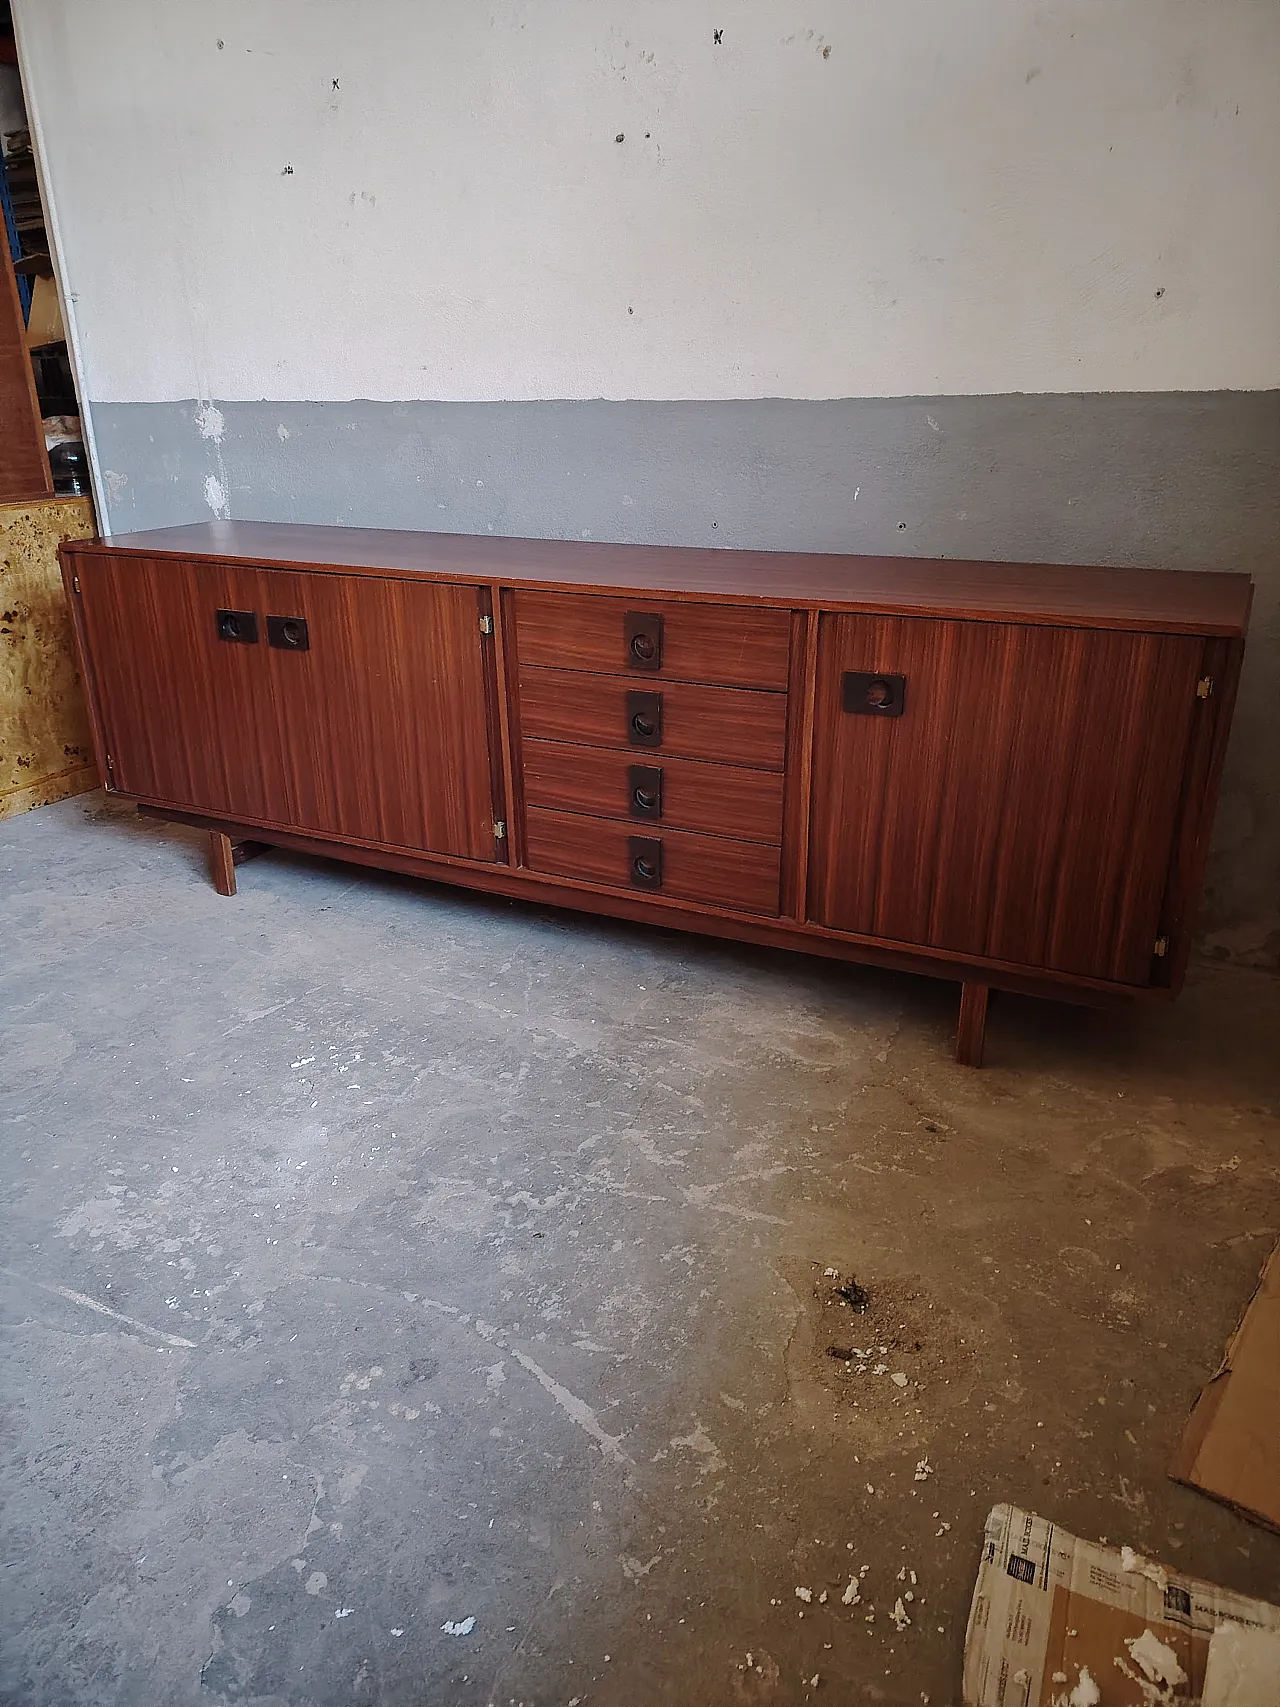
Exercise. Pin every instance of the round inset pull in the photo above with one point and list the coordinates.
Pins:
(229, 625)
(879, 693)
(643, 726)
(645, 869)
(645, 800)
(291, 631)
(643, 647)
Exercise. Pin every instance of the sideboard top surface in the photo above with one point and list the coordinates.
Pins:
(1178, 601)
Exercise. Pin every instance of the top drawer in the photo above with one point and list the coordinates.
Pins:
(724, 645)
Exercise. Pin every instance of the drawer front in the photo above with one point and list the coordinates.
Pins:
(719, 644)
(734, 726)
(742, 877)
(651, 789)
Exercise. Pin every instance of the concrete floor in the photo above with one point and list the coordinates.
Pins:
(379, 1258)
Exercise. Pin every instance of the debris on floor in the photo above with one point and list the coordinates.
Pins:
(855, 1296)
(1070, 1623)
(881, 1352)
(1231, 1448)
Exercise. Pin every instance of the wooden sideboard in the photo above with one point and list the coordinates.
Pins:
(1002, 774)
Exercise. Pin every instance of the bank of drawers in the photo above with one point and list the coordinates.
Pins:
(653, 744)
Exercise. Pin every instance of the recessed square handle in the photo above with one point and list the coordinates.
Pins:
(643, 633)
(644, 854)
(238, 625)
(871, 694)
(288, 633)
(644, 719)
(644, 791)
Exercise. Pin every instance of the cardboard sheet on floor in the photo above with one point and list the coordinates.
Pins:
(1231, 1448)
(1061, 1622)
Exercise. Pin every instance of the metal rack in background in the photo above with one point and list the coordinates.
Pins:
(14, 235)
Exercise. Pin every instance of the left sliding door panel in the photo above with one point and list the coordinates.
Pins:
(343, 706)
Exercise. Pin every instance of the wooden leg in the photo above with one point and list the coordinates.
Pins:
(972, 1030)
(222, 863)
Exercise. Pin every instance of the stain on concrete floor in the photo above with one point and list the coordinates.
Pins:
(378, 1258)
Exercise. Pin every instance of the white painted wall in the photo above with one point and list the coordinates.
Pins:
(962, 196)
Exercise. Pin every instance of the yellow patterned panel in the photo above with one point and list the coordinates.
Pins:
(45, 750)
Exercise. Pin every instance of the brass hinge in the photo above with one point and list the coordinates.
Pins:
(111, 769)
(486, 625)
(75, 583)
(1204, 687)
(1162, 946)
(499, 830)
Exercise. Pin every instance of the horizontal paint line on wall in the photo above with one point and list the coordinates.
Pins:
(1177, 479)
(206, 406)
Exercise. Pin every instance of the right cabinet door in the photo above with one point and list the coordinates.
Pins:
(1021, 807)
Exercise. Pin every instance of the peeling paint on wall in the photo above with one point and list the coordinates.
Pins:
(211, 422)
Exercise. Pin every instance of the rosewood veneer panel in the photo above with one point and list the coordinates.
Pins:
(379, 731)
(182, 712)
(735, 726)
(719, 800)
(724, 644)
(383, 722)
(1173, 601)
(1022, 807)
(742, 876)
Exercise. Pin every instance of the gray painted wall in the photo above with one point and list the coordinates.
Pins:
(1176, 480)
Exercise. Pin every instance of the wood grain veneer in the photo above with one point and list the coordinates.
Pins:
(717, 800)
(735, 726)
(694, 868)
(1022, 807)
(724, 644)
(380, 730)
(1175, 601)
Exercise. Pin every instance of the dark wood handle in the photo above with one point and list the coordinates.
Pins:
(645, 854)
(645, 785)
(288, 633)
(644, 720)
(240, 625)
(643, 633)
(870, 694)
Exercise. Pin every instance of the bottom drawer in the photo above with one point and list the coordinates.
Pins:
(742, 877)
